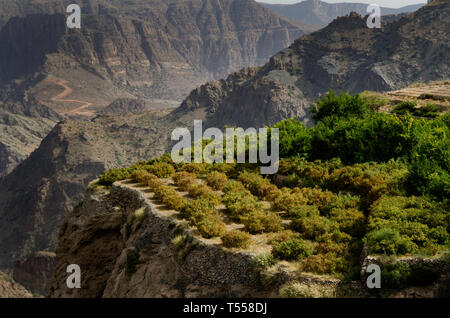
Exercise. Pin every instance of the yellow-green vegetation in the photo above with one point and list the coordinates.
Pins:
(236, 239)
(170, 197)
(184, 179)
(204, 192)
(358, 177)
(216, 180)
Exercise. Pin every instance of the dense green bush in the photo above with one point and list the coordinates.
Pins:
(197, 209)
(162, 169)
(286, 199)
(416, 219)
(211, 225)
(313, 227)
(340, 106)
(168, 196)
(204, 192)
(261, 222)
(389, 241)
(113, 175)
(184, 179)
(236, 239)
(401, 275)
(295, 138)
(292, 250)
(217, 180)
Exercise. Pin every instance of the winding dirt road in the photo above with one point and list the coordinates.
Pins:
(60, 98)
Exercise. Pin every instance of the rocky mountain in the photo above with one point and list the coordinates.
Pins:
(318, 12)
(156, 51)
(346, 55)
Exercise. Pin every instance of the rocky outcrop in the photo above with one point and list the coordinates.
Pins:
(34, 272)
(23, 124)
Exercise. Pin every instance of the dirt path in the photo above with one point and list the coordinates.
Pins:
(60, 98)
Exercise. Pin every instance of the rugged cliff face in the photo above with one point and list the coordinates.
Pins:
(35, 271)
(23, 124)
(158, 49)
(346, 55)
(39, 193)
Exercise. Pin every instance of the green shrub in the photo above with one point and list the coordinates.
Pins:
(264, 260)
(210, 225)
(236, 239)
(313, 227)
(217, 180)
(388, 241)
(395, 276)
(303, 211)
(261, 222)
(204, 192)
(292, 250)
(351, 221)
(342, 106)
(196, 209)
(404, 108)
(168, 196)
(196, 168)
(184, 179)
(113, 175)
(162, 169)
(282, 236)
(287, 199)
(328, 263)
(234, 186)
(242, 207)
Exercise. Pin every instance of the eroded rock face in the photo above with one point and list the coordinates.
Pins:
(157, 49)
(35, 271)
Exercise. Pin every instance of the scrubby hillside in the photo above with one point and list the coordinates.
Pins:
(360, 187)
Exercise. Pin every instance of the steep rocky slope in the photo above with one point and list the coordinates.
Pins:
(10, 289)
(23, 124)
(37, 195)
(321, 13)
(157, 49)
(346, 55)
(35, 272)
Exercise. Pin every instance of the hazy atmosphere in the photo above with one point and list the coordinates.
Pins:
(384, 3)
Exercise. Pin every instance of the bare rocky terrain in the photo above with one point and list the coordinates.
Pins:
(318, 12)
(156, 51)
